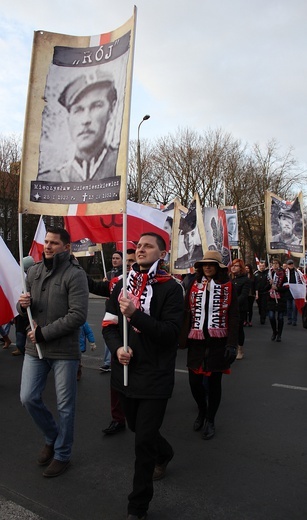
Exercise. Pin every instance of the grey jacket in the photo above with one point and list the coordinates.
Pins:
(59, 306)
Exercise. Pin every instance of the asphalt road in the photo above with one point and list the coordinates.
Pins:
(254, 468)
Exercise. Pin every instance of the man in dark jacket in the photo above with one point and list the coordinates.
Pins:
(261, 289)
(153, 308)
(57, 293)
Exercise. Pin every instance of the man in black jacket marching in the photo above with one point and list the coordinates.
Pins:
(153, 308)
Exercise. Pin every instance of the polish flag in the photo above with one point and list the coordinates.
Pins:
(10, 284)
(109, 228)
(298, 291)
(37, 246)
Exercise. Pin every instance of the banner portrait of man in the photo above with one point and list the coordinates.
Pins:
(232, 226)
(284, 225)
(88, 111)
(77, 124)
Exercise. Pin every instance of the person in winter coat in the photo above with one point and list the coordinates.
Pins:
(277, 298)
(57, 293)
(86, 334)
(153, 308)
(210, 332)
(242, 284)
(251, 296)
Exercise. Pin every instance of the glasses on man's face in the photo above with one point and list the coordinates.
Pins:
(209, 264)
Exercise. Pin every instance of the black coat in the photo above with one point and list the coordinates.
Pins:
(152, 367)
(242, 284)
(209, 352)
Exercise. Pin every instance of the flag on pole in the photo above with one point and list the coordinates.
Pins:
(109, 228)
(37, 246)
(10, 284)
(298, 291)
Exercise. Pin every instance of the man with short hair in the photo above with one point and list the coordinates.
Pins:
(57, 294)
(90, 101)
(153, 308)
(261, 289)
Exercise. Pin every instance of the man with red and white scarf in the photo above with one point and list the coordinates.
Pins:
(154, 309)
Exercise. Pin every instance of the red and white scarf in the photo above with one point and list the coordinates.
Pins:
(140, 290)
(139, 285)
(219, 301)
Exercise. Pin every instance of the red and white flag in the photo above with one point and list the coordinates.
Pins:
(298, 291)
(37, 246)
(109, 228)
(10, 284)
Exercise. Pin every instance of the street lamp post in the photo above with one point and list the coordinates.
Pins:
(139, 160)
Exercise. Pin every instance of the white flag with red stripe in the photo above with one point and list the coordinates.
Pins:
(10, 284)
(109, 228)
(298, 291)
(37, 246)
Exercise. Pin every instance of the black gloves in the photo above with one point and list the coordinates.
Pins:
(230, 353)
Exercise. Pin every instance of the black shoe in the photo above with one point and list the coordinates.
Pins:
(289, 323)
(199, 422)
(105, 368)
(262, 322)
(294, 324)
(273, 337)
(114, 427)
(278, 339)
(208, 431)
(160, 469)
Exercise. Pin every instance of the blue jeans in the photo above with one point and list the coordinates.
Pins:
(291, 311)
(33, 382)
(107, 356)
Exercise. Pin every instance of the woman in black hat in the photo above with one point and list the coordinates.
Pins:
(210, 332)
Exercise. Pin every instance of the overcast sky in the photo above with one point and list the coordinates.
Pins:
(239, 65)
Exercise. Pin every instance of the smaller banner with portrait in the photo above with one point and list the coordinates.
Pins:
(284, 225)
(232, 226)
(188, 238)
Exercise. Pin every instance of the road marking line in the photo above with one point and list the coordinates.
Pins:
(290, 387)
(181, 371)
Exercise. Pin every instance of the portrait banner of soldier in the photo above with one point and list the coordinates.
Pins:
(232, 226)
(284, 225)
(76, 135)
(216, 232)
(187, 237)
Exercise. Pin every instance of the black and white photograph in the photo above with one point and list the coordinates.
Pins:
(82, 118)
(286, 226)
(189, 241)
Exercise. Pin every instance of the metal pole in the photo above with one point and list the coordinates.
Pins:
(139, 160)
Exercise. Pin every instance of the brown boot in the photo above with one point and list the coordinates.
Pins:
(240, 354)
(7, 341)
(46, 455)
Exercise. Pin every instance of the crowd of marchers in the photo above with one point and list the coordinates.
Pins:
(205, 312)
